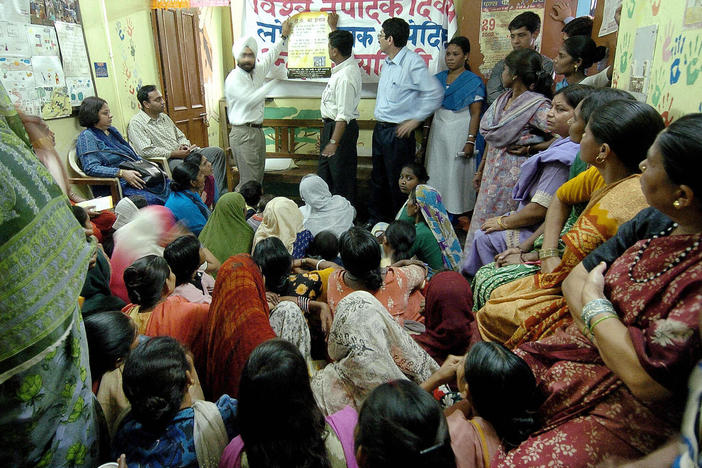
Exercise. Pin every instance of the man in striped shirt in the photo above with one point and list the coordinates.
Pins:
(153, 134)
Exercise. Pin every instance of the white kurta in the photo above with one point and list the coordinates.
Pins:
(451, 176)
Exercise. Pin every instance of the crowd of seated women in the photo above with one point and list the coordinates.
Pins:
(250, 332)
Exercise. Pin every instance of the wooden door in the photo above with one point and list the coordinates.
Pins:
(177, 40)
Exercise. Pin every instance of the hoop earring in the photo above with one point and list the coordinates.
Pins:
(575, 68)
(677, 203)
(600, 159)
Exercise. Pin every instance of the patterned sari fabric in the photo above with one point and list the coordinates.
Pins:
(48, 415)
(436, 217)
(490, 276)
(533, 307)
(524, 123)
(368, 348)
(237, 323)
(589, 412)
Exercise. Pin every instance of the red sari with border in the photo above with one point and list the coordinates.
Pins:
(589, 413)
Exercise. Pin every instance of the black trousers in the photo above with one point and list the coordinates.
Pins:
(339, 171)
(390, 153)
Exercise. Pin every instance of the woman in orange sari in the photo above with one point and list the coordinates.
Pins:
(615, 141)
(240, 319)
(155, 312)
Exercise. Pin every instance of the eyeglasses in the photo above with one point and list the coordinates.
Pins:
(381, 35)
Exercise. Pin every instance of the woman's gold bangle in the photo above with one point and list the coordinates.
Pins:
(502, 223)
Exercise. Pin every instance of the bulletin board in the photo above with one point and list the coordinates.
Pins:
(672, 82)
(44, 64)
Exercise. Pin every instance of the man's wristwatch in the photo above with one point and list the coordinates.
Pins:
(332, 141)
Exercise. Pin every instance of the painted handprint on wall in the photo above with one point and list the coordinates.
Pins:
(625, 47)
(693, 65)
(676, 50)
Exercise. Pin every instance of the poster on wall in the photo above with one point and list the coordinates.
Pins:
(308, 54)
(693, 14)
(609, 24)
(42, 40)
(73, 53)
(47, 12)
(13, 39)
(431, 24)
(15, 11)
(495, 17)
(17, 76)
(642, 61)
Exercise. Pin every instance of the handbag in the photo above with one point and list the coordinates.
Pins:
(153, 177)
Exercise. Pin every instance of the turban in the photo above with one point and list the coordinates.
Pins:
(243, 43)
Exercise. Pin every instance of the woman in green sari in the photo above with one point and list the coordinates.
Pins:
(48, 416)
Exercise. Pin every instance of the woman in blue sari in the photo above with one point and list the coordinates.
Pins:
(454, 130)
(101, 149)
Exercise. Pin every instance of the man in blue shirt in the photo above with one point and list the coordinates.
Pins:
(407, 95)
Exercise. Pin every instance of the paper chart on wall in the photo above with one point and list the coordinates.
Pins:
(16, 11)
(48, 71)
(55, 102)
(79, 89)
(42, 40)
(13, 39)
(17, 77)
(609, 25)
(73, 53)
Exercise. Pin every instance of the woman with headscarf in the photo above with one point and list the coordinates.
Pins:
(240, 319)
(430, 215)
(322, 211)
(368, 348)
(48, 409)
(147, 234)
(227, 233)
(127, 209)
(447, 316)
(283, 219)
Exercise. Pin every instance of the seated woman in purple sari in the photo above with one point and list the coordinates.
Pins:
(539, 178)
(101, 149)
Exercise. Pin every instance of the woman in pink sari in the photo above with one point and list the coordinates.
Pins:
(614, 379)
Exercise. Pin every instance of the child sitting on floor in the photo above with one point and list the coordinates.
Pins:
(165, 427)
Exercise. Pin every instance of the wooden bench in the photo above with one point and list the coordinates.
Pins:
(285, 147)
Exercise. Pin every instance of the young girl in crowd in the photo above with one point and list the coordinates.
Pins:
(398, 240)
(402, 425)
(184, 256)
(325, 245)
(412, 174)
(156, 312)
(207, 194)
(282, 429)
(499, 409)
(111, 336)
(392, 286)
(165, 428)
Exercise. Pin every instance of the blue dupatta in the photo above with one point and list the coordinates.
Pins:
(462, 92)
(117, 143)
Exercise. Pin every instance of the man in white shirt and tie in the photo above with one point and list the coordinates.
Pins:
(245, 92)
(339, 108)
